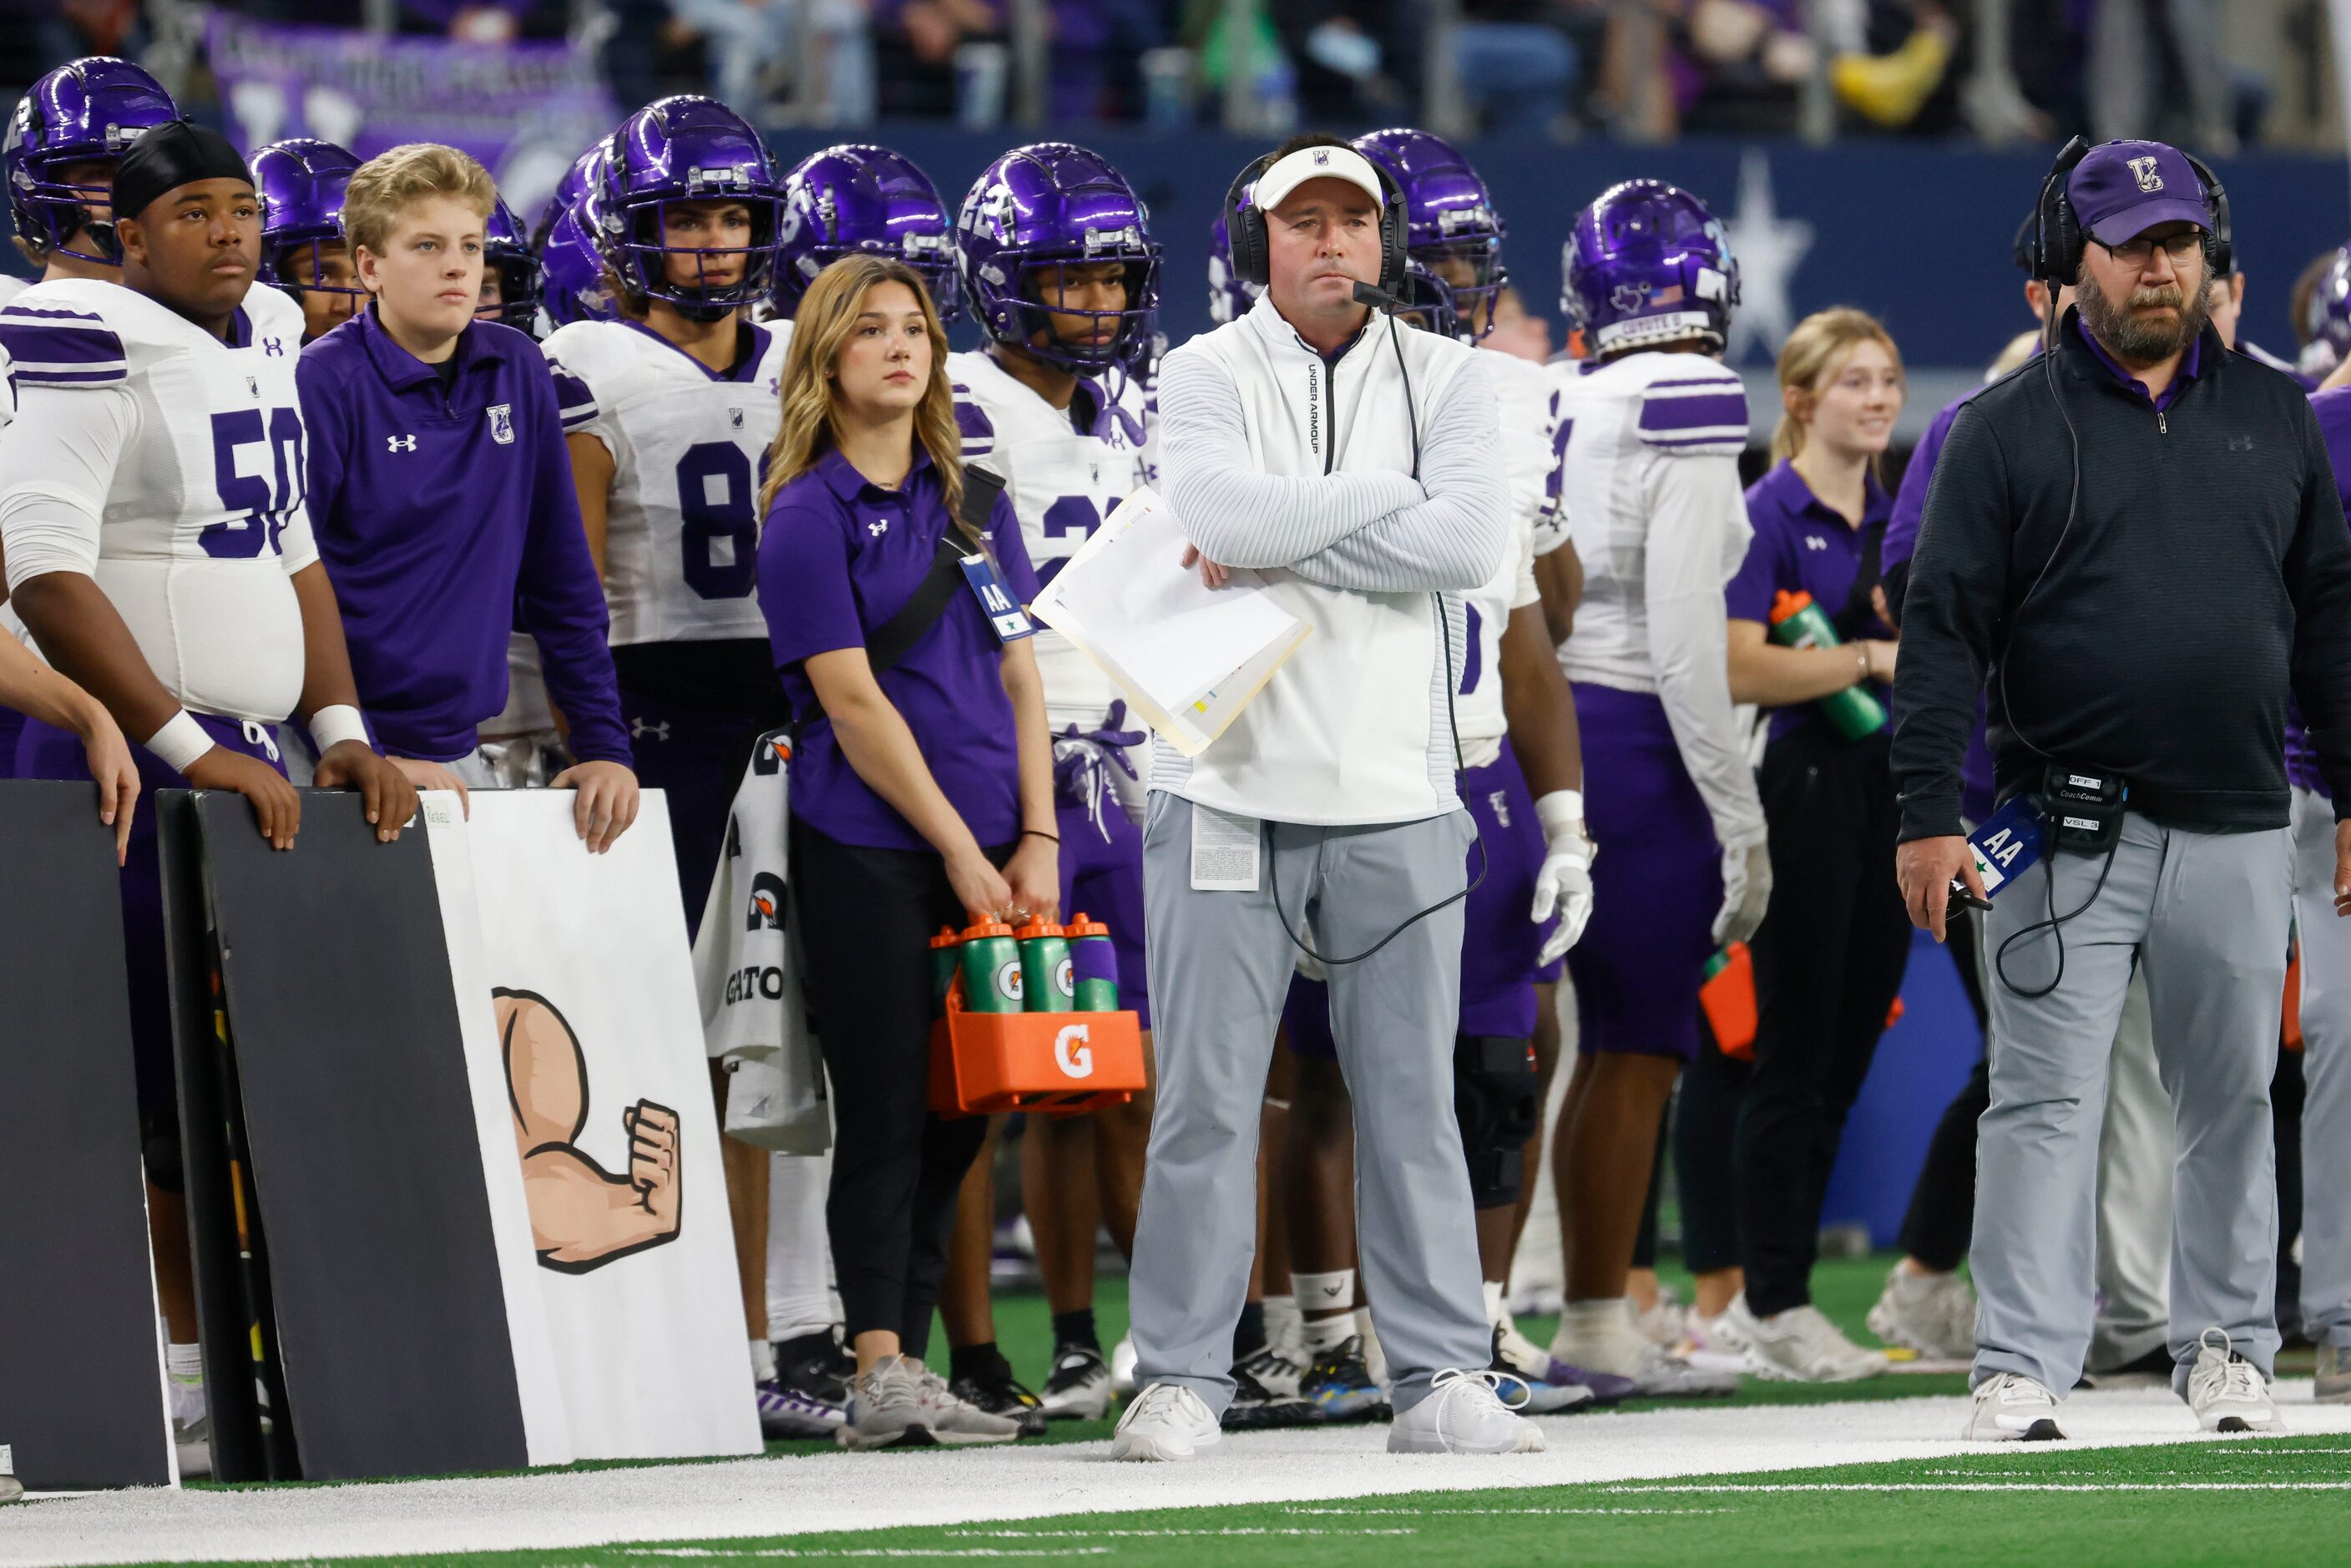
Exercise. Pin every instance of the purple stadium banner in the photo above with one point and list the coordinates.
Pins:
(525, 109)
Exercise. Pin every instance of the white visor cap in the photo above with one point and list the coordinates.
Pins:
(1275, 185)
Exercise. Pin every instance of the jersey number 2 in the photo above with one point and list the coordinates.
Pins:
(732, 517)
(252, 494)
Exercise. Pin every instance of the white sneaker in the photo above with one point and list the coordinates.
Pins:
(1666, 1324)
(1463, 1414)
(1165, 1422)
(1934, 1314)
(954, 1422)
(1601, 1336)
(2011, 1408)
(2226, 1391)
(885, 1407)
(1121, 1368)
(1801, 1345)
(11, 1488)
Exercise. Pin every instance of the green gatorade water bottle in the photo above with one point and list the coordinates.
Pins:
(1797, 622)
(1045, 982)
(991, 968)
(1094, 965)
(943, 965)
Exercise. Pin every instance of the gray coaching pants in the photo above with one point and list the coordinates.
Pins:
(2205, 913)
(2326, 1074)
(1220, 965)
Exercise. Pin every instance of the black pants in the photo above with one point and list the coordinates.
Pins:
(1706, 1124)
(866, 918)
(1828, 963)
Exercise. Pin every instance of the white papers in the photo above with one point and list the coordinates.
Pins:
(1187, 657)
(1224, 851)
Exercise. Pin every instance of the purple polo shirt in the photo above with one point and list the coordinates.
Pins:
(1802, 546)
(447, 519)
(2332, 408)
(838, 556)
(2188, 366)
(1978, 791)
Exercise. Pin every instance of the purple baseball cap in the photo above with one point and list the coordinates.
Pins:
(2122, 188)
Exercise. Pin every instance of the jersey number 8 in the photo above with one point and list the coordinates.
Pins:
(717, 498)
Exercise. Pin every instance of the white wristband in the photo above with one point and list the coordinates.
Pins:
(180, 742)
(330, 726)
(1560, 810)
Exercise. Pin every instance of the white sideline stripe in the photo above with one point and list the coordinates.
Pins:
(754, 1499)
(1669, 1489)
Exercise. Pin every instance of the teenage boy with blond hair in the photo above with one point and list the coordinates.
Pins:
(442, 496)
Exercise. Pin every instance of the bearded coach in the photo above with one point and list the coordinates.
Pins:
(2134, 546)
(1349, 461)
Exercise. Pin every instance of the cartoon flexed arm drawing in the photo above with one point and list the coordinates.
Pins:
(581, 1215)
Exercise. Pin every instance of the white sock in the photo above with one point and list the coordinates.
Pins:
(1319, 1295)
(1281, 1323)
(185, 1362)
(801, 1298)
(1497, 1314)
(763, 1360)
(1598, 1319)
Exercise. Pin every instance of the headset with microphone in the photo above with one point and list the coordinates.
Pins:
(1245, 229)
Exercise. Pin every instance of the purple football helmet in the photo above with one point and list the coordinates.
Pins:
(520, 285)
(1646, 263)
(1431, 303)
(2328, 321)
(586, 172)
(301, 183)
(1036, 210)
(677, 150)
(1228, 298)
(854, 199)
(89, 111)
(1451, 226)
(575, 283)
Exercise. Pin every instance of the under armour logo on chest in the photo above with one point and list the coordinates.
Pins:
(878, 527)
(274, 347)
(399, 443)
(1814, 541)
(639, 730)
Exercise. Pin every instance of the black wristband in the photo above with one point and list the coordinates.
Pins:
(1040, 833)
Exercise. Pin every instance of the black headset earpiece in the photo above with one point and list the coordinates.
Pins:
(1245, 229)
(1245, 225)
(2056, 233)
(2220, 249)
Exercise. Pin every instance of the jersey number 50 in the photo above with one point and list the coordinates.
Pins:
(717, 498)
(252, 494)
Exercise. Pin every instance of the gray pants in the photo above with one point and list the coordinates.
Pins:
(2205, 913)
(2136, 1154)
(1220, 965)
(2326, 1075)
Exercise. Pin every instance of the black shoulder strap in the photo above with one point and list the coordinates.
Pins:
(1851, 621)
(896, 638)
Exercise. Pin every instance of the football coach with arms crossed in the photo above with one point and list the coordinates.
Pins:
(2136, 543)
(1351, 462)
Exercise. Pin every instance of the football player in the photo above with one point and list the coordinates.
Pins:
(303, 251)
(443, 501)
(1648, 433)
(158, 550)
(512, 279)
(1058, 267)
(58, 160)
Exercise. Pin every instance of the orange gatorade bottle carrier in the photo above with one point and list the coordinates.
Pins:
(1055, 1064)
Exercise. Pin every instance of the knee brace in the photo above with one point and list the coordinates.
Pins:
(1494, 1078)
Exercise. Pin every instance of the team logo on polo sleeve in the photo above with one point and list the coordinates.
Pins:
(502, 423)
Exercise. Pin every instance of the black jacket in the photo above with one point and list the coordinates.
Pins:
(2208, 568)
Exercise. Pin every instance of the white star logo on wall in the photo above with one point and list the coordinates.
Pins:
(1770, 249)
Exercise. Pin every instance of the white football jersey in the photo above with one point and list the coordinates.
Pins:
(1522, 393)
(168, 465)
(9, 288)
(1062, 484)
(1637, 437)
(688, 445)
(1478, 715)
